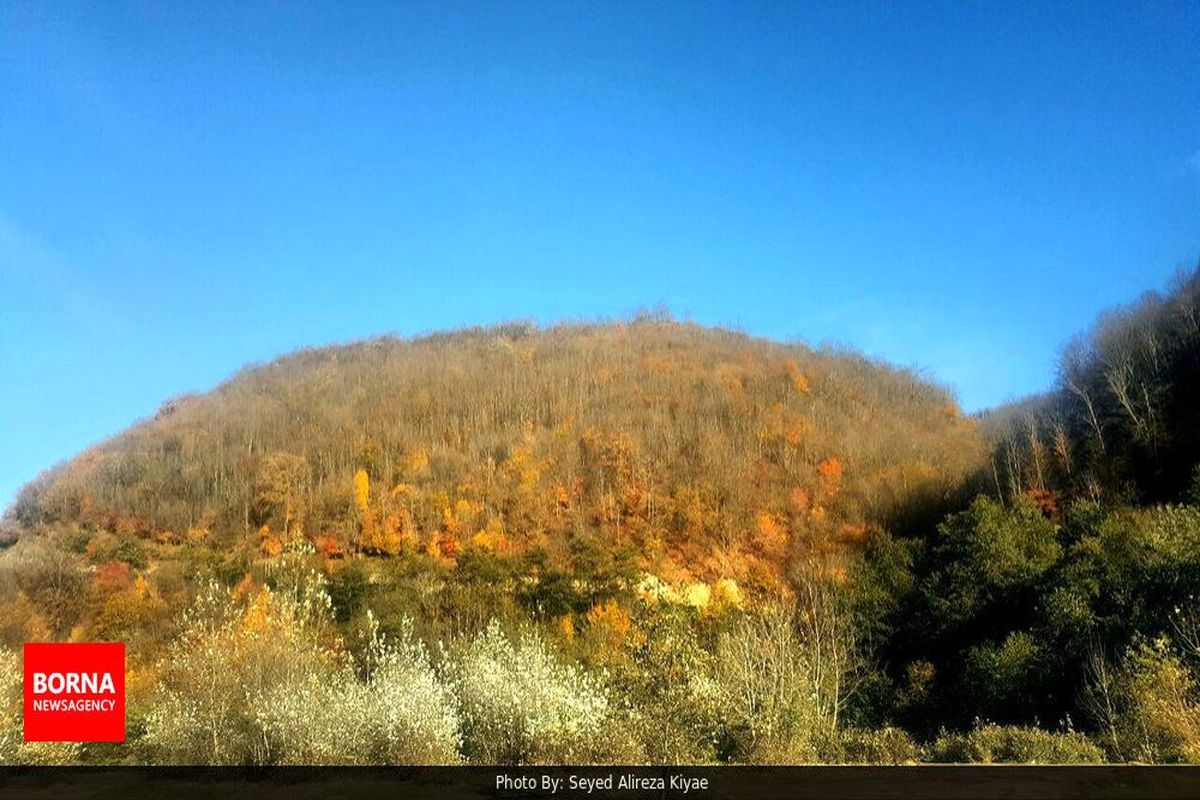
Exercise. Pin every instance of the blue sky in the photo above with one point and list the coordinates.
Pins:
(186, 188)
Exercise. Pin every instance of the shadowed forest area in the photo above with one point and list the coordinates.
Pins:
(636, 542)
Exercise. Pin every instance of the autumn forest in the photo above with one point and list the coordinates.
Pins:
(643, 541)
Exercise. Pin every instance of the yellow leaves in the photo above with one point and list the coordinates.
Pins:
(521, 465)
(37, 627)
(716, 598)
(615, 455)
(609, 614)
(127, 610)
(416, 463)
(727, 594)
(391, 541)
(259, 615)
(789, 427)
(141, 681)
(402, 522)
(362, 491)
(695, 511)
(388, 538)
(198, 534)
(465, 509)
(608, 625)
(404, 492)
(460, 517)
(23, 621)
(385, 539)
(445, 543)
(434, 548)
(566, 628)
(565, 429)
(697, 595)
(491, 537)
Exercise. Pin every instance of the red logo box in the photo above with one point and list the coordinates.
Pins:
(75, 692)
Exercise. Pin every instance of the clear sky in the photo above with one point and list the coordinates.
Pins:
(189, 187)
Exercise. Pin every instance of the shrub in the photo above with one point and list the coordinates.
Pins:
(263, 683)
(401, 713)
(991, 744)
(1192, 496)
(199, 714)
(884, 746)
(766, 689)
(54, 583)
(12, 749)
(666, 681)
(1157, 717)
(519, 705)
(10, 718)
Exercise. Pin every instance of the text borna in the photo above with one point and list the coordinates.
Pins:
(604, 783)
(73, 683)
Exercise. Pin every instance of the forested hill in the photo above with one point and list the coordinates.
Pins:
(1123, 420)
(704, 453)
(636, 542)
(1066, 593)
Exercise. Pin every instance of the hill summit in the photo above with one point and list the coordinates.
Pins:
(696, 452)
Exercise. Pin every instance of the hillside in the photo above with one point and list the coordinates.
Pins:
(706, 453)
(1067, 590)
(1122, 421)
(634, 542)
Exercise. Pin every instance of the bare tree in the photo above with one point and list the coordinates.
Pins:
(831, 641)
(1099, 696)
(1036, 450)
(1073, 371)
(1062, 444)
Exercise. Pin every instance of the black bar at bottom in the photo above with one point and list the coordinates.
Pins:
(602, 783)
